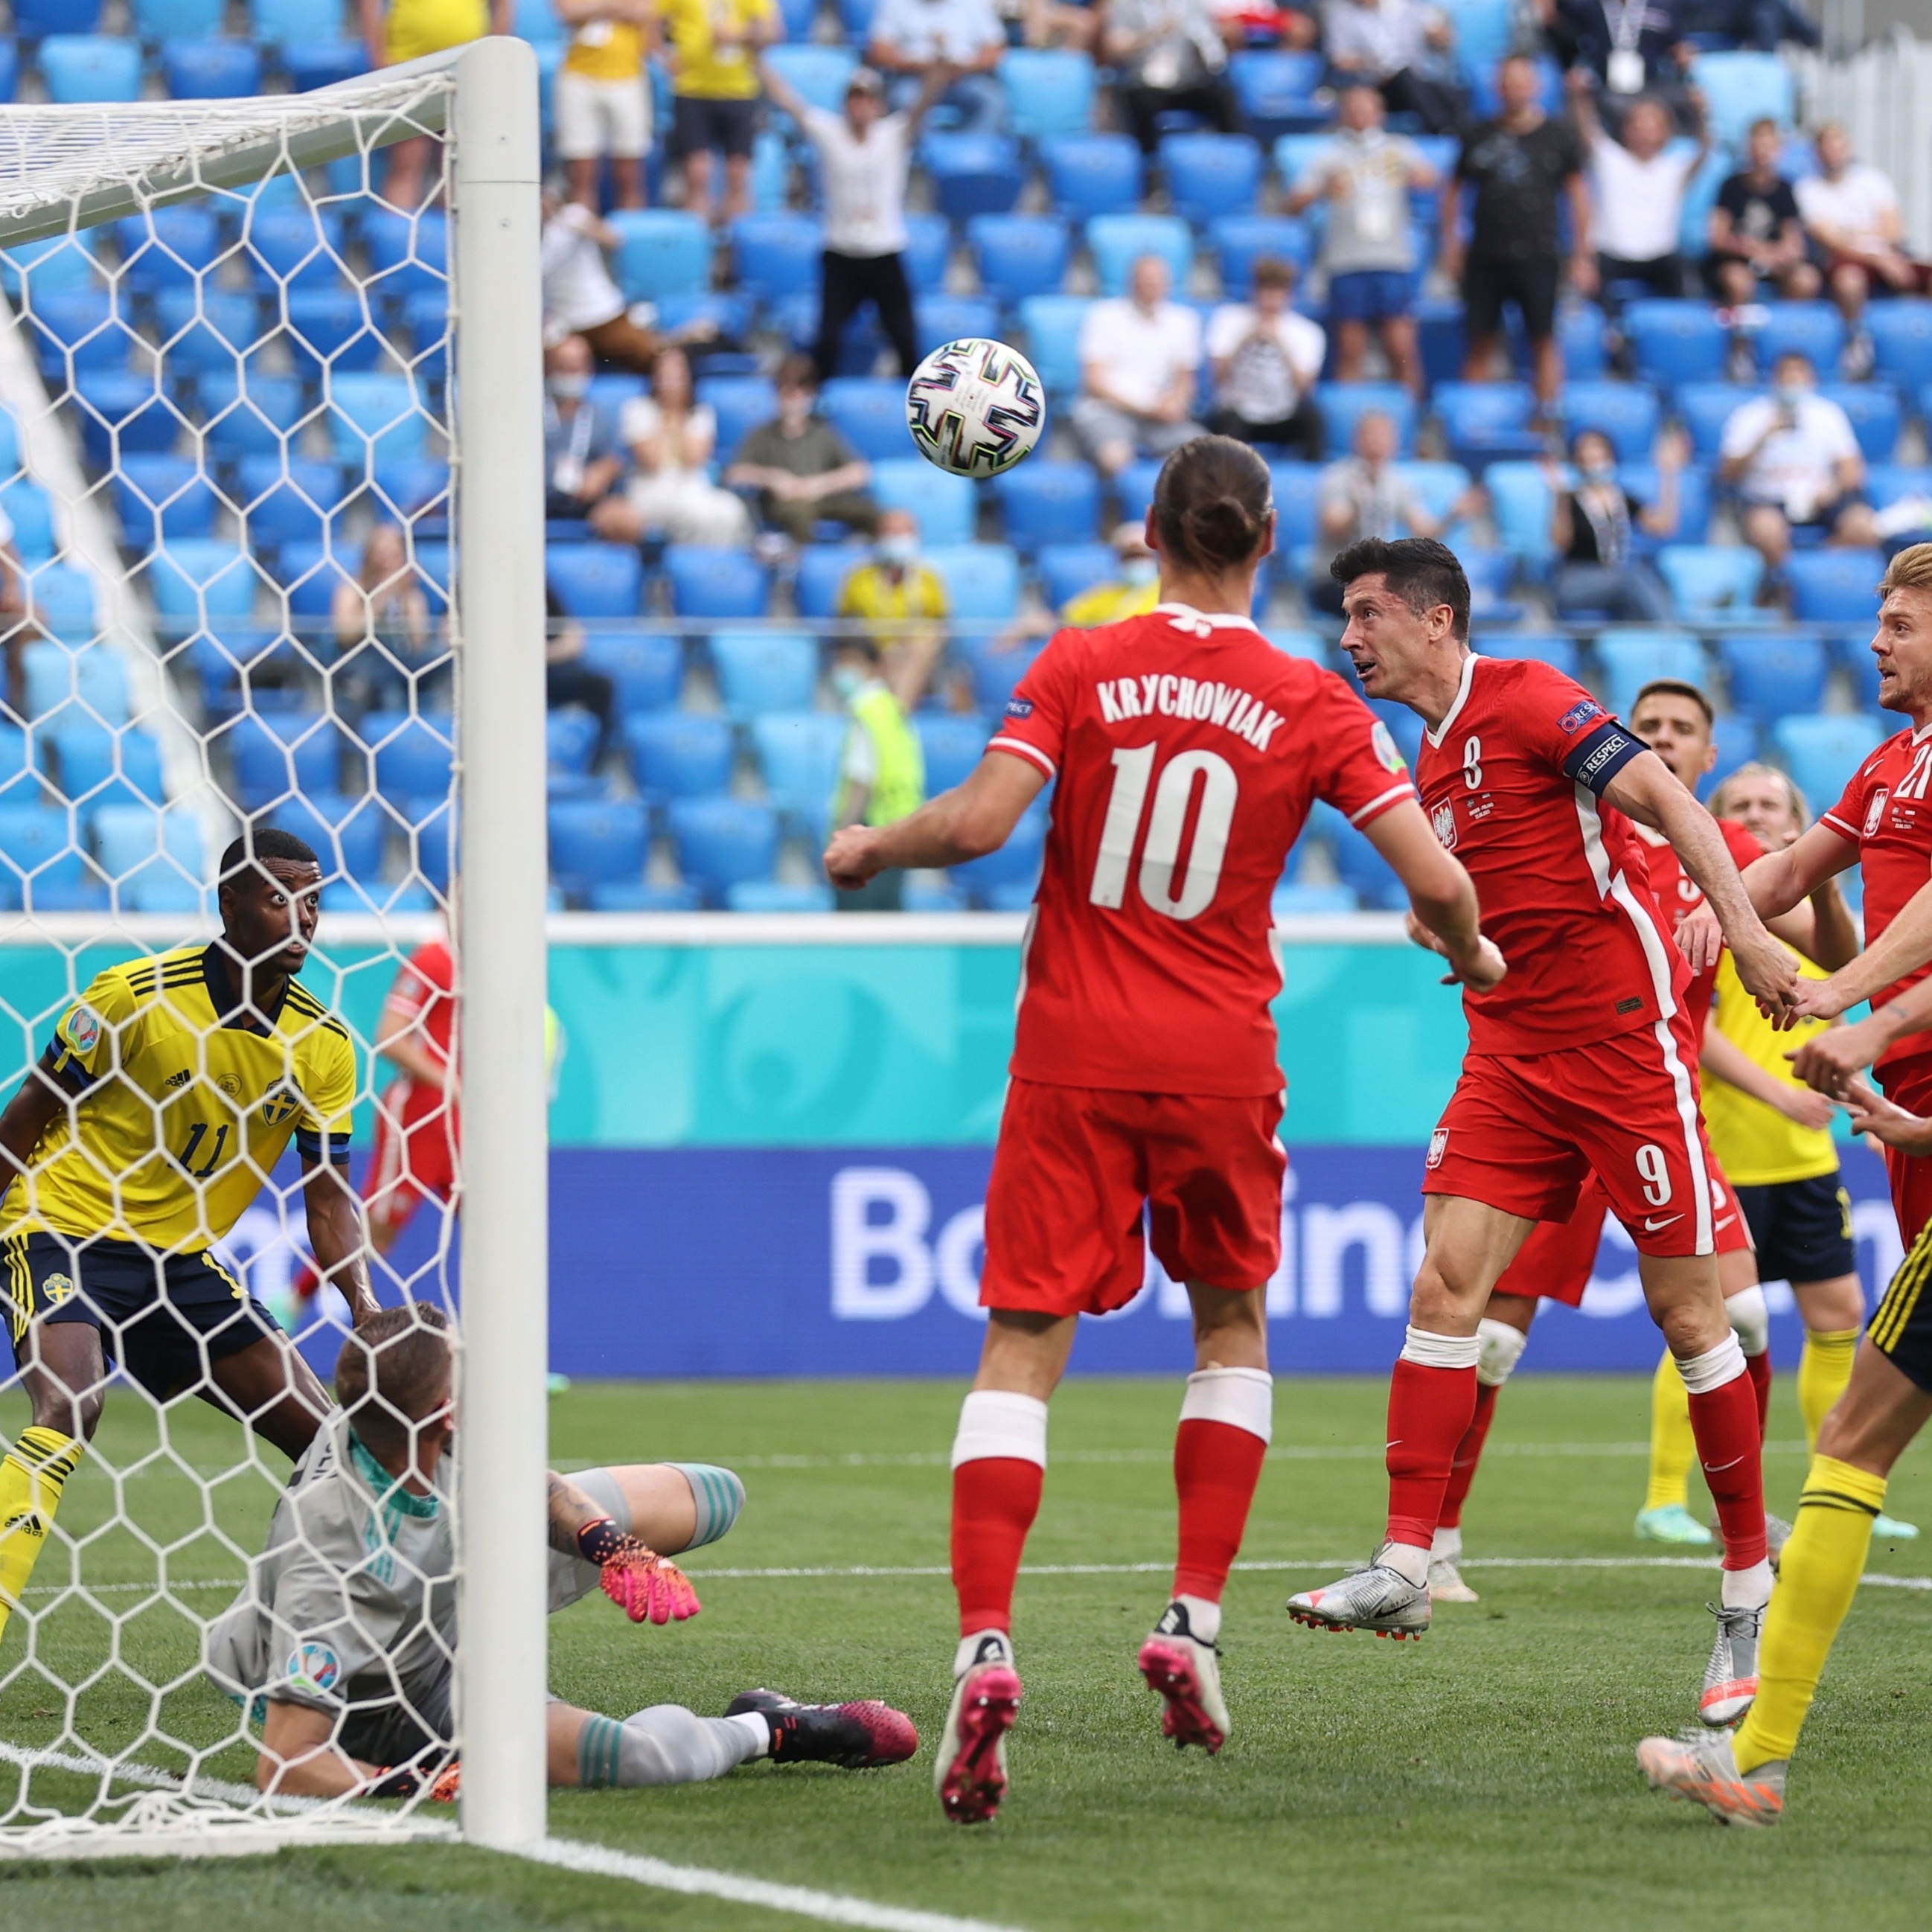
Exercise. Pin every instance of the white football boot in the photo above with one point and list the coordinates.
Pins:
(1374, 1598)
(1703, 1767)
(970, 1773)
(1186, 1673)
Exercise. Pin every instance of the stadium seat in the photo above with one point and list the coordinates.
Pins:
(1626, 413)
(294, 248)
(1019, 255)
(1052, 324)
(946, 506)
(663, 251)
(722, 842)
(83, 329)
(418, 487)
(777, 255)
(206, 328)
(1889, 483)
(822, 569)
(41, 864)
(818, 73)
(679, 754)
(936, 320)
(638, 897)
(1703, 408)
(869, 412)
(596, 841)
(647, 667)
(409, 254)
(129, 837)
(349, 833)
(1067, 570)
(1016, 863)
(1630, 659)
(995, 672)
(1714, 582)
(1343, 404)
(799, 752)
(982, 581)
(754, 896)
(1093, 174)
(80, 68)
(1876, 412)
(167, 248)
(1740, 87)
(200, 582)
(61, 261)
(1833, 586)
(162, 499)
(1644, 482)
(18, 775)
(1239, 241)
(1310, 645)
(1487, 422)
(570, 742)
(166, 23)
(1119, 241)
(596, 580)
(278, 752)
(1211, 174)
(761, 671)
(1676, 342)
(375, 418)
(31, 511)
(1774, 675)
(33, 19)
(411, 759)
(1821, 752)
(312, 64)
(1901, 338)
(246, 414)
(75, 686)
(1492, 573)
(708, 581)
(1550, 648)
(740, 403)
(1582, 333)
(1043, 501)
(1440, 485)
(952, 746)
(1736, 739)
(1049, 91)
(973, 175)
(928, 252)
(1275, 88)
(1298, 489)
(212, 70)
(276, 22)
(1814, 329)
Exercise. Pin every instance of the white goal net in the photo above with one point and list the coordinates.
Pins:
(241, 501)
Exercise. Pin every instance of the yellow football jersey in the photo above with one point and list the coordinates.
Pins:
(1756, 1146)
(1110, 604)
(183, 1105)
(704, 70)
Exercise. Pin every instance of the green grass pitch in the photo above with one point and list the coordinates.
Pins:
(1481, 1779)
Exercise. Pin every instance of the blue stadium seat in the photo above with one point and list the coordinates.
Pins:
(723, 842)
(1292, 899)
(1484, 31)
(1363, 870)
(1019, 255)
(31, 511)
(1016, 864)
(1211, 175)
(247, 414)
(1645, 482)
(294, 248)
(412, 758)
(349, 833)
(168, 248)
(927, 250)
(1876, 412)
(125, 411)
(1049, 91)
(1814, 329)
(1821, 752)
(404, 490)
(1740, 87)
(1440, 485)
(206, 328)
(973, 175)
(1630, 659)
(1582, 334)
(1066, 570)
(61, 261)
(995, 672)
(1737, 743)
(709, 581)
(201, 582)
(1492, 573)
(1774, 675)
(946, 506)
(1676, 342)
(982, 581)
(1546, 647)
(40, 863)
(129, 839)
(664, 252)
(640, 898)
(162, 499)
(869, 412)
(1298, 489)
(799, 752)
(1093, 174)
(409, 254)
(87, 67)
(952, 745)
(1487, 422)
(1133, 490)
(90, 683)
(212, 70)
(596, 580)
(774, 896)
(1703, 408)
(310, 573)
(1714, 581)
(1343, 404)
(594, 841)
(1833, 586)
(1626, 413)
(761, 671)
(740, 403)
(287, 501)
(278, 752)
(61, 596)
(1295, 154)
(1043, 501)
(312, 64)
(85, 328)
(32, 18)
(647, 667)
(17, 772)
(776, 255)
(818, 73)
(822, 569)
(1239, 241)
(165, 23)
(942, 318)
(679, 754)
(1275, 88)
(1901, 338)
(1119, 241)
(375, 418)
(1052, 324)
(1889, 483)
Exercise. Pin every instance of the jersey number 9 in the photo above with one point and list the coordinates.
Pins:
(1161, 855)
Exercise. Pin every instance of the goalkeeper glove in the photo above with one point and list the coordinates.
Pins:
(646, 1587)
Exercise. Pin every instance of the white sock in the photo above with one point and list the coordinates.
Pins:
(969, 1649)
(1746, 1589)
(1204, 1619)
(1408, 1560)
(1448, 1543)
(997, 1423)
(755, 1722)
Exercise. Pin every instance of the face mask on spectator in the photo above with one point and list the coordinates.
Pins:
(898, 550)
(846, 680)
(569, 389)
(1790, 394)
(1139, 570)
(1599, 471)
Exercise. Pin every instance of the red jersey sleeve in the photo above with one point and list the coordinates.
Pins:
(1560, 719)
(424, 978)
(1360, 769)
(1847, 817)
(1034, 726)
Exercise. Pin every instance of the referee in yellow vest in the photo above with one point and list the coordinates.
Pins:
(881, 770)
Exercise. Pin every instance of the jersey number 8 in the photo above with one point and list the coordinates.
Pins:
(1160, 856)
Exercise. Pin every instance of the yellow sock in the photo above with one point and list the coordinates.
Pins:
(1817, 1577)
(32, 1474)
(1823, 1370)
(1673, 1448)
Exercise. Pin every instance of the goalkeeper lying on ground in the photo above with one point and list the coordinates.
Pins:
(343, 1640)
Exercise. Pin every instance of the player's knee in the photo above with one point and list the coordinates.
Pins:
(1750, 1317)
(1499, 1348)
(719, 1496)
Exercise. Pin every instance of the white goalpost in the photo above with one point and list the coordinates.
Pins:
(207, 431)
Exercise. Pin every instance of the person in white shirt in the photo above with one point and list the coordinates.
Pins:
(1851, 210)
(1140, 357)
(1637, 188)
(1169, 57)
(1266, 361)
(580, 298)
(1792, 457)
(1400, 46)
(672, 439)
(911, 37)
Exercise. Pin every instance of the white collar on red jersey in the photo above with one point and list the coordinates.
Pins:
(1441, 730)
(1201, 622)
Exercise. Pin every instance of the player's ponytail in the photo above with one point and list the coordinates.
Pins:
(1212, 504)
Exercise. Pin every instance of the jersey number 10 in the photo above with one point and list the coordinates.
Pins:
(1160, 856)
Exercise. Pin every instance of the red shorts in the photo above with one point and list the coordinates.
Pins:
(1521, 1133)
(415, 1155)
(1075, 1166)
(1908, 1083)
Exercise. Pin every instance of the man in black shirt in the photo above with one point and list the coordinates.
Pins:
(1633, 47)
(1756, 232)
(1519, 166)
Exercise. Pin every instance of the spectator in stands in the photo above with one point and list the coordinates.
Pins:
(713, 50)
(1637, 187)
(1593, 522)
(582, 459)
(1401, 47)
(1133, 592)
(864, 157)
(1795, 463)
(1755, 234)
(1761, 25)
(911, 37)
(1633, 47)
(894, 587)
(671, 437)
(580, 298)
(1364, 175)
(1054, 23)
(1266, 361)
(602, 102)
(568, 680)
(804, 471)
(1140, 359)
(1172, 57)
(1366, 495)
(1242, 21)
(386, 643)
(408, 30)
(1851, 211)
(881, 770)
(1518, 167)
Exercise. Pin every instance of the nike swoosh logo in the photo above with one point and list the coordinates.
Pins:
(1652, 1222)
(1718, 1469)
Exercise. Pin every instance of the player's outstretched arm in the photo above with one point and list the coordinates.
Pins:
(1445, 915)
(646, 1587)
(337, 1235)
(1904, 945)
(967, 822)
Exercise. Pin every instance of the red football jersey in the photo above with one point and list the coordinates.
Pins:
(1885, 813)
(1679, 895)
(425, 990)
(1510, 784)
(1187, 750)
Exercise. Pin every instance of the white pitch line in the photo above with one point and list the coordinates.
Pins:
(830, 1908)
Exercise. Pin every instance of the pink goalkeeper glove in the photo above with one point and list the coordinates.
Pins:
(646, 1587)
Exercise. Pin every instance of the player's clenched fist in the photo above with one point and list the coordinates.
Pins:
(646, 1587)
(1479, 968)
(1769, 974)
(850, 859)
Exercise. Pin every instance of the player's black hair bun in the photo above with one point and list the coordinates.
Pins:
(1211, 504)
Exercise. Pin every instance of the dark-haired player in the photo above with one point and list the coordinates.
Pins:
(1582, 1059)
(167, 1093)
(1187, 751)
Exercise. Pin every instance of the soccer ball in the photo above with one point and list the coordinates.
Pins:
(975, 407)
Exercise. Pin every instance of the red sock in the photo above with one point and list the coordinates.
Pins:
(1469, 1453)
(994, 1501)
(1758, 1367)
(1216, 1468)
(1429, 1414)
(1725, 1422)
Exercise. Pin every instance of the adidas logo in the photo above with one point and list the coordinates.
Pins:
(992, 1649)
(26, 1523)
(1173, 1622)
